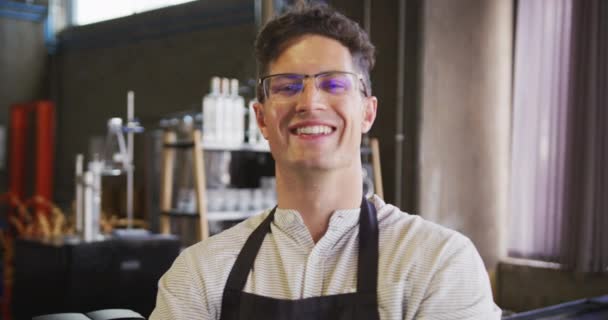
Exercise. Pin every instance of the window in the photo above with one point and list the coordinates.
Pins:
(91, 11)
(559, 177)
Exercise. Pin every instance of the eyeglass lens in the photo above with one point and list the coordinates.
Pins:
(290, 85)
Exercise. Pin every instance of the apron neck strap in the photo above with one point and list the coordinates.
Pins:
(367, 271)
(244, 261)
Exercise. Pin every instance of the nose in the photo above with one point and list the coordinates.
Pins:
(311, 98)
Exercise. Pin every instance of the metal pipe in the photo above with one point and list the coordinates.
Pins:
(87, 181)
(399, 136)
(367, 17)
(96, 167)
(79, 193)
(130, 120)
(264, 11)
(92, 200)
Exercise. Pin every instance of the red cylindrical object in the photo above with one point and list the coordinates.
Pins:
(44, 139)
(45, 116)
(18, 138)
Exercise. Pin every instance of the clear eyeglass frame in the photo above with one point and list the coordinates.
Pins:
(294, 84)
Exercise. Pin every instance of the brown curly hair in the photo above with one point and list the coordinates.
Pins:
(319, 19)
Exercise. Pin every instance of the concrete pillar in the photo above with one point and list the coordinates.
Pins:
(23, 63)
(465, 119)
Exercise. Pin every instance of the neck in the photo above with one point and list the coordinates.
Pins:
(317, 194)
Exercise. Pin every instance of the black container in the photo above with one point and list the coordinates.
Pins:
(81, 277)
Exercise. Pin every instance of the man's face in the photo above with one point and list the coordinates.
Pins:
(315, 129)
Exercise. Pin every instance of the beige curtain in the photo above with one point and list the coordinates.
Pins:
(585, 229)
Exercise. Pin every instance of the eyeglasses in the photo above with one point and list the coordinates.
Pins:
(288, 86)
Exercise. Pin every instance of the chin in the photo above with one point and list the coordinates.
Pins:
(318, 164)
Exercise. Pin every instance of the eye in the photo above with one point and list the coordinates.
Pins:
(286, 88)
(335, 84)
(286, 85)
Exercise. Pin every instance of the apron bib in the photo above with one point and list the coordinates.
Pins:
(363, 304)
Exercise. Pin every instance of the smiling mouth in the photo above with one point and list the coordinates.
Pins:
(318, 130)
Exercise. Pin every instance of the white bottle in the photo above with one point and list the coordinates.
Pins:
(222, 112)
(252, 125)
(210, 106)
(229, 125)
(238, 116)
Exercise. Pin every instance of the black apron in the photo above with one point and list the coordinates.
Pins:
(363, 304)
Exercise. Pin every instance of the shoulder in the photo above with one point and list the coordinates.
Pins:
(205, 266)
(220, 250)
(397, 225)
(193, 286)
(416, 246)
(438, 270)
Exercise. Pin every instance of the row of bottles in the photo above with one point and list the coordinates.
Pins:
(225, 115)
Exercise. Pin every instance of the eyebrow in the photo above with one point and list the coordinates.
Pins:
(306, 74)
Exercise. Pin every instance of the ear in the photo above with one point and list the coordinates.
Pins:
(259, 117)
(370, 106)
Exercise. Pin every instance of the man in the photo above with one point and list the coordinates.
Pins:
(324, 252)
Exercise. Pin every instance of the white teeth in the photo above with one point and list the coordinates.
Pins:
(313, 130)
